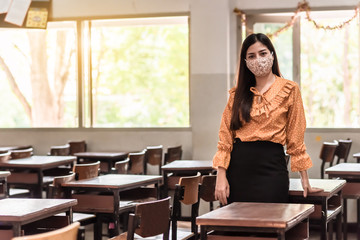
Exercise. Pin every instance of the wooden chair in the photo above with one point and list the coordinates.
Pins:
(137, 162)
(149, 220)
(172, 154)
(327, 154)
(56, 191)
(86, 170)
(343, 150)
(186, 192)
(23, 153)
(121, 167)
(77, 146)
(154, 157)
(63, 150)
(207, 189)
(69, 232)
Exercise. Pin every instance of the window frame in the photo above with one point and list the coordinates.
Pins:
(270, 16)
(81, 78)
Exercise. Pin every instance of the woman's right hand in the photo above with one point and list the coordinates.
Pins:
(222, 188)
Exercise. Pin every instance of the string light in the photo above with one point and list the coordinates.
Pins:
(303, 6)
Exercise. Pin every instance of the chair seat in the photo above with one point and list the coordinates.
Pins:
(82, 218)
(18, 192)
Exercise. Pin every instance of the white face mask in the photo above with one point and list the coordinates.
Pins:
(260, 66)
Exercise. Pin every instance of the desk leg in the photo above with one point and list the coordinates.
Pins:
(17, 229)
(109, 166)
(38, 190)
(358, 218)
(165, 186)
(338, 226)
(345, 218)
(323, 227)
(116, 212)
(203, 235)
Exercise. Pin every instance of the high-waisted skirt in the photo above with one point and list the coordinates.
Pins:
(258, 172)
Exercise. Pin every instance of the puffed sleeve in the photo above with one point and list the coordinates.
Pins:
(295, 130)
(225, 144)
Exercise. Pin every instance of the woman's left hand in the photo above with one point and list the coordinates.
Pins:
(308, 189)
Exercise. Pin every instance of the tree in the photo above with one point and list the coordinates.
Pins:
(45, 107)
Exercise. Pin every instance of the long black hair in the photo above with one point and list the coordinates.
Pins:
(246, 79)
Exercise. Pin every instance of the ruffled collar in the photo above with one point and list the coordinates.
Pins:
(272, 98)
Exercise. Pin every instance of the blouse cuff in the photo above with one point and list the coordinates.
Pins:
(221, 159)
(300, 160)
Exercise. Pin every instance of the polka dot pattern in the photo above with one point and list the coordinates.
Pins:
(277, 116)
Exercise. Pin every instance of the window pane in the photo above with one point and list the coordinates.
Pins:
(330, 72)
(38, 76)
(283, 46)
(140, 72)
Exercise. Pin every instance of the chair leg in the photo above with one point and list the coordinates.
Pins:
(322, 170)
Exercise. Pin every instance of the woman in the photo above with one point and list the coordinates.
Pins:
(264, 112)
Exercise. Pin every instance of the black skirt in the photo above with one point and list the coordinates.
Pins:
(258, 172)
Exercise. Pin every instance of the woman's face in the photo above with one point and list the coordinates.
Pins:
(259, 60)
(257, 50)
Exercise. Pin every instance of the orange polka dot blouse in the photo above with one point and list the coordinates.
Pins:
(277, 116)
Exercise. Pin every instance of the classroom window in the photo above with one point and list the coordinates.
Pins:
(38, 76)
(139, 75)
(324, 62)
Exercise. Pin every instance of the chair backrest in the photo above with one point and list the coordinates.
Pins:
(4, 157)
(190, 186)
(77, 146)
(122, 166)
(327, 152)
(150, 219)
(56, 190)
(69, 232)
(23, 153)
(343, 150)
(86, 170)
(63, 150)
(207, 188)
(186, 192)
(327, 155)
(154, 156)
(137, 162)
(173, 153)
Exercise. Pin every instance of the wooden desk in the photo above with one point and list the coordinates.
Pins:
(15, 212)
(102, 203)
(327, 203)
(186, 168)
(3, 184)
(28, 172)
(9, 148)
(107, 159)
(351, 173)
(357, 156)
(249, 219)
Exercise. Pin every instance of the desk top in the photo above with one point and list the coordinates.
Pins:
(330, 186)
(179, 165)
(24, 209)
(8, 148)
(265, 215)
(4, 174)
(344, 170)
(356, 155)
(38, 162)
(115, 181)
(102, 155)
